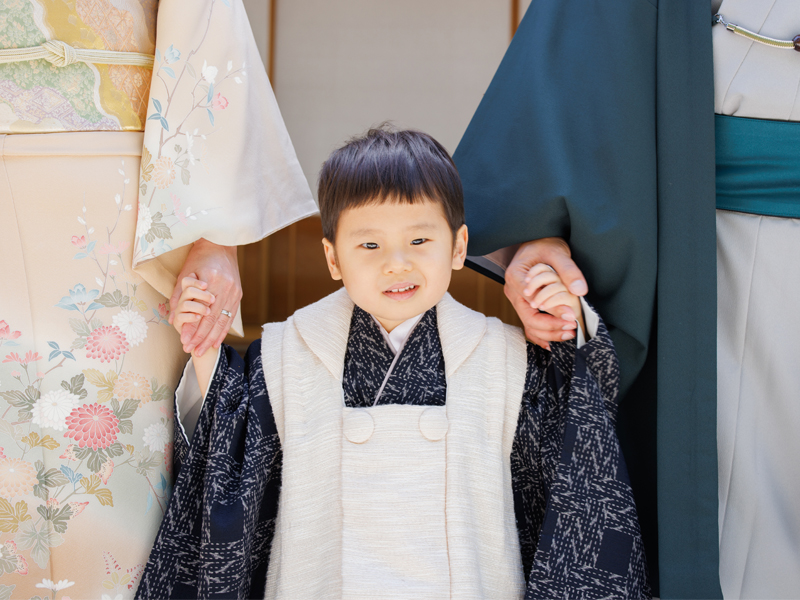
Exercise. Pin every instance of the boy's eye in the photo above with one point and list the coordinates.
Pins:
(418, 241)
(370, 245)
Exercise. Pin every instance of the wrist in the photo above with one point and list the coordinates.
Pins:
(204, 244)
(538, 251)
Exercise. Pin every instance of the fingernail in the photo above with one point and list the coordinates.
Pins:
(200, 352)
(578, 288)
(208, 311)
(547, 347)
(566, 327)
(567, 317)
(534, 305)
(567, 336)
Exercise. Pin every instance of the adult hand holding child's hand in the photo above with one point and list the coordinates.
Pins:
(542, 328)
(218, 266)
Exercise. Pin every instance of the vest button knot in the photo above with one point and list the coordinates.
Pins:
(358, 426)
(433, 423)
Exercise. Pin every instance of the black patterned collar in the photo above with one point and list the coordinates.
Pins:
(418, 377)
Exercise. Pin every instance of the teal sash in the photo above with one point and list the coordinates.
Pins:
(758, 166)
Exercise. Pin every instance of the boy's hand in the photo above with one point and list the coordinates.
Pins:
(548, 293)
(193, 305)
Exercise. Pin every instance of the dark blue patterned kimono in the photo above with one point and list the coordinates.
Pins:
(578, 529)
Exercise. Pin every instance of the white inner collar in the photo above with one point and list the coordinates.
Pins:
(399, 335)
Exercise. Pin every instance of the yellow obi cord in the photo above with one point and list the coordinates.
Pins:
(61, 54)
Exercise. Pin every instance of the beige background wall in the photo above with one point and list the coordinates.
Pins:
(338, 67)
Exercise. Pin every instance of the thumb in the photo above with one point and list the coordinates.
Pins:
(173, 301)
(569, 273)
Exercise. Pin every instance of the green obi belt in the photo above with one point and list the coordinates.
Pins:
(758, 166)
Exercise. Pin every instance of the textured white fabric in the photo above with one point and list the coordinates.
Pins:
(758, 409)
(485, 363)
(394, 531)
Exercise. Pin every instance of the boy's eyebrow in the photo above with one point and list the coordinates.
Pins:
(364, 231)
(372, 231)
(422, 226)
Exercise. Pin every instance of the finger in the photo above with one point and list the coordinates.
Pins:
(547, 292)
(187, 333)
(546, 328)
(569, 273)
(222, 333)
(540, 327)
(173, 301)
(220, 328)
(539, 281)
(191, 280)
(197, 308)
(193, 293)
(538, 269)
(555, 301)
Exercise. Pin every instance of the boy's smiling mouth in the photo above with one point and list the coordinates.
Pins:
(401, 291)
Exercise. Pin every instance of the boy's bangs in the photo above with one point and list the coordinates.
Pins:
(389, 166)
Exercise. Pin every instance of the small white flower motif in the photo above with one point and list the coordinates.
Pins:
(132, 325)
(209, 72)
(81, 221)
(99, 281)
(107, 597)
(230, 65)
(189, 146)
(52, 409)
(156, 437)
(56, 587)
(117, 199)
(144, 220)
(128, 207)
(91, 230)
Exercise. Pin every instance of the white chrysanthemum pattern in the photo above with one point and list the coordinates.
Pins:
(53, 408)
(156, 436)
(144, 221)
(132, 325)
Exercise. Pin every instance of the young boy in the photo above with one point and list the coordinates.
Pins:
(388, 442)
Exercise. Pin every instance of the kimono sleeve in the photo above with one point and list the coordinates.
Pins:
(564, 144)
(217, 161)
(577, 519)
(216, 536)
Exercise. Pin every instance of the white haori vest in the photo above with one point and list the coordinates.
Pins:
(395, 501)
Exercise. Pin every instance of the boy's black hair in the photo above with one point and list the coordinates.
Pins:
(390, 165)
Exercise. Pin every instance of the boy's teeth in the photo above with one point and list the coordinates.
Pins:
(405, 289)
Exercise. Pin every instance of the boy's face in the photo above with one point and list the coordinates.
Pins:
(395, 259)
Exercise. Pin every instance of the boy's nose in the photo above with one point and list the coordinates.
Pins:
(397, 262)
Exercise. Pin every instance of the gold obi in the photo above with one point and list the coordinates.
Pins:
(36, 96)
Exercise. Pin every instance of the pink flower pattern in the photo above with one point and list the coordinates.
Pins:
(6, 333)
(29, 358)
(92, 425)
(106, 343)
(219, 102)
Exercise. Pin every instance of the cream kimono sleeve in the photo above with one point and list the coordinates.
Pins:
(217, 161)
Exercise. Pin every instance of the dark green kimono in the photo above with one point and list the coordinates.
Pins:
(599, 127)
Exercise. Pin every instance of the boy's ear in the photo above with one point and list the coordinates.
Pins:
(460, 248)
(330, 259)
